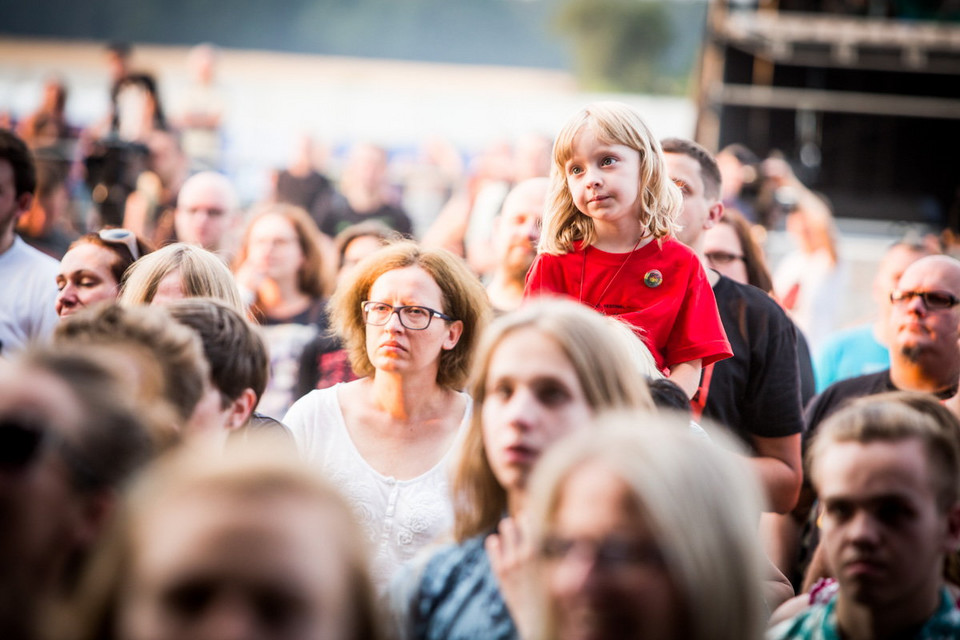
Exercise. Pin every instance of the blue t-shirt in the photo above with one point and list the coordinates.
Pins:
(848, 354)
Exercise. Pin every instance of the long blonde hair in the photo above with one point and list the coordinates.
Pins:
(660, 199)
(679, 481)
(608, 372)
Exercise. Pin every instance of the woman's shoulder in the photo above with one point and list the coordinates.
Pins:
(453, 565)
(313, 406)
(459, 596)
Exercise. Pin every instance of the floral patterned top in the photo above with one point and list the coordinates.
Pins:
(399, 516)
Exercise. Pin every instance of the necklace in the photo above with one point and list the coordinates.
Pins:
(583, 271)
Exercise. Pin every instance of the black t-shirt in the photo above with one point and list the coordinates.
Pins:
(841, 392)
(341, 215)
(312, 192)
(757, 391)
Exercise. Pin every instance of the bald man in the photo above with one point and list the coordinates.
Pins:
(515, 234)
(924, 325)
(206, 209)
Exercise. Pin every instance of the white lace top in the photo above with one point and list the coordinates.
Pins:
(399, 516)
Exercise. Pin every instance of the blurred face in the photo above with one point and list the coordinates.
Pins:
(169, 289)
(358, 249)
(604, 573)
(396, 349)
(724, 253)
(85, 278)
(518, 229)
(368, 166)
(39, 507)
(533, 397)
(919, 330)
(882, 530)
(203, 214)
(10, 205)
(209, 566)
(274, 247)
(699, 211)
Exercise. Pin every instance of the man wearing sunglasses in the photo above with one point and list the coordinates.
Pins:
(924, 325)
(28, 287)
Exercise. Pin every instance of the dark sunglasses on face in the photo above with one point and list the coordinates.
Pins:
(931, 299)
(21, 442)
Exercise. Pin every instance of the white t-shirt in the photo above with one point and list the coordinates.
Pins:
(28, 294)
(399, 516)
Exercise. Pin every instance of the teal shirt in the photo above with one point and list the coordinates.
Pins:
(819, 622)
(848, 354)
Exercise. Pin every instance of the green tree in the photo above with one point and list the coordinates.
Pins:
(618, 44)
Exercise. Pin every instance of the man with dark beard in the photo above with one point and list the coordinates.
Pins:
(515, 235)
(924, 355)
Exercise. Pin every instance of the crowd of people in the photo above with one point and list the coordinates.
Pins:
(577, 406)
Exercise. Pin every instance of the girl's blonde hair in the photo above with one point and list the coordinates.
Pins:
(609, 370)
(678, 481)
(614, 123)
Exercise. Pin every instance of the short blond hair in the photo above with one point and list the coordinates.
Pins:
(609, 374)
(679, 482)
(893, 417)
(464, 299)
(660, 198)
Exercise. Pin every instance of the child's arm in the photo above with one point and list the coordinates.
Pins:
(686, 375)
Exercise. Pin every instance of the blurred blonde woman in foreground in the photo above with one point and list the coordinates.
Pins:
(646, 533)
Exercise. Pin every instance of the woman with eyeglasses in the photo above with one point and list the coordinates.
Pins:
(731, 250)
(93, 267)
(280, 271)
(645, 534)
(409, 318)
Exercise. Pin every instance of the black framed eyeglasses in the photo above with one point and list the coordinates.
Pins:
(931, 299)
(722, 257)
(411, 316)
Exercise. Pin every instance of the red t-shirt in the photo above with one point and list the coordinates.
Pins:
(660, 288)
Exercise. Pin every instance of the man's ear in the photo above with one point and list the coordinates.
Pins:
(952, 539)
(240, 409)
(24, 201)
(713, 215)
